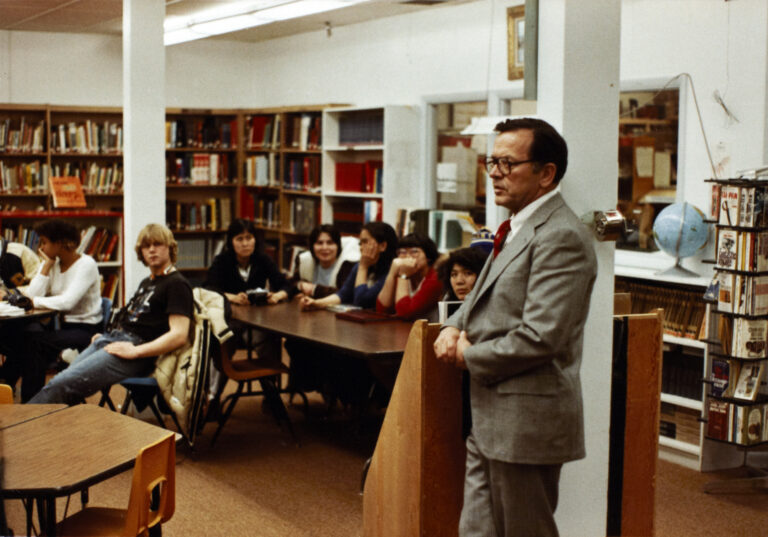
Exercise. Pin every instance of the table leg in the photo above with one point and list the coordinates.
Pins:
(50, 517)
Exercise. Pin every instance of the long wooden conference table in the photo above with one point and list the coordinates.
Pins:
(50, 451)
(378, 340)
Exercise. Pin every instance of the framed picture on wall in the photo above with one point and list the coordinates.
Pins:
(515, 42)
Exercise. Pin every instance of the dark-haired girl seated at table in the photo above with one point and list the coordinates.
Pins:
(324, 267)
(378, 244)
(412, 288)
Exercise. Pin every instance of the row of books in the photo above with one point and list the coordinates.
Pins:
(260, 170)
(682, 373)
(87, 137)
(680, 423)
(22, 234)
(744, 206)
(359, 176)
(110, 286)
(683, 309)
(742, 294)
(212, 214)
(24, 177)
(264, 211)
(302, 174)
(304, 214)
(742, 250)
(100, 243)
(262, 132)
(201, 169)
(96, 178)
(198, 252)
(361, 128)
(304, 132)
(28, 138)
(740, 424)
(207, 133)
(738, 379)
(348, 216)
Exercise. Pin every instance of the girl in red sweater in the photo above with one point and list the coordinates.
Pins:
(412, 288)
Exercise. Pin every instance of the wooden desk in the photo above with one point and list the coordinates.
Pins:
(69, 450)
(34, 313)
(377, 340)
(11, 415)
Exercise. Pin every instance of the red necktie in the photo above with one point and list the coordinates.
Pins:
(500, 238)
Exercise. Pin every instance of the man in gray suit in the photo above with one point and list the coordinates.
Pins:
(519, 333)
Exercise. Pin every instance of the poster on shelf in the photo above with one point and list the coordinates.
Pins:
(67, 193)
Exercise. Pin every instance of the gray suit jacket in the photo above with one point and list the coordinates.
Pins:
(525, 319)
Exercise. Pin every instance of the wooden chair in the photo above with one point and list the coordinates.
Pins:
(244, 371)
(6, 394)
(152, 499)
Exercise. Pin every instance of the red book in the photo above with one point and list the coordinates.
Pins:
(247, 206)
(107, 256)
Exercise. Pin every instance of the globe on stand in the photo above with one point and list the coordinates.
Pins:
(680, 231)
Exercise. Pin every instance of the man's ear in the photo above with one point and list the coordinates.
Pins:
(548, 172)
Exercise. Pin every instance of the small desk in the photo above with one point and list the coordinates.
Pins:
(379, 340)
(11, 415)
(29, 315)
(69, 450)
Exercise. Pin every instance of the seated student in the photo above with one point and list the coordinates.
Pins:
(378, 243)
(412, 288)
(240, 267)
(18, 264)
(67, 282)
(319, 272)
(155, 321)
(459, 274)
(324, 267)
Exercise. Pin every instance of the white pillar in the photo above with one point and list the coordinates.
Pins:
(143, 126)
(578, 93)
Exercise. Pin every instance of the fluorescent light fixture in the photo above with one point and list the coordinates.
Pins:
(242, 15)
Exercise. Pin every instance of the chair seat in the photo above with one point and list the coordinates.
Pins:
(93, 522)
(253, 369)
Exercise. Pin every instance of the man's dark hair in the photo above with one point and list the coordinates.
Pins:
(418, 240)
(61, 231)
(471, 258)
(236, 227)
(10, 264)
(324, 228)
(547, 145)
(383, 232)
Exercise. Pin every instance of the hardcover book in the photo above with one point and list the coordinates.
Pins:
(727, 248)
(750, 377)
(720, 372)
(750, 337)
(67, 192)
(729, 205)
(717, 423)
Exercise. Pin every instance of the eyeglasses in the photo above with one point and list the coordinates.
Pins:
(412, 252)
(505, 165)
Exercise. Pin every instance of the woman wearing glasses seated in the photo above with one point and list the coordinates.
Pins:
(412, 288)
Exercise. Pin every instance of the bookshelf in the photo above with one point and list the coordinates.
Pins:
(40, 141)
(685, 358)
(369, 164)
(736, 398)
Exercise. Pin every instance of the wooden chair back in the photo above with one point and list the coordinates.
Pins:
(6, 394)
(155, 466)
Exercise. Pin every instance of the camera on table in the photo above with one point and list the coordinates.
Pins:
(257, 297)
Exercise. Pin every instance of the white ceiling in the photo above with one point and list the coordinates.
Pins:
(105, 16)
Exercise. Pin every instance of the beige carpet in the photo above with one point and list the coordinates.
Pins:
(254, 482)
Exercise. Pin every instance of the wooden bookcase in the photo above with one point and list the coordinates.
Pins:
(40, 141)
(370, 164)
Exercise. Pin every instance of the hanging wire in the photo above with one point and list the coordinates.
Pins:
(698, 113)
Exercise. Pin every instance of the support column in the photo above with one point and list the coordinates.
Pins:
(579, 44)
(143, 126)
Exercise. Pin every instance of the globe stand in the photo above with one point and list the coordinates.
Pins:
(678, 270)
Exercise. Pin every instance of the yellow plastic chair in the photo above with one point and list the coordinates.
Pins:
(6, 394)
(155, 466)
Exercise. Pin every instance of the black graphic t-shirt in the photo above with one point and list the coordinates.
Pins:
(146, 315)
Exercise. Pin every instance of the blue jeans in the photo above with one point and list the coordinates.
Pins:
(94, 369)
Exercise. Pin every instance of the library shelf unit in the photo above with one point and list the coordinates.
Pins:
(369, 164)
(102, 233)
(685, 356)
(40, 141)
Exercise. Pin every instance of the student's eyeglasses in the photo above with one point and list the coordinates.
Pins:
(505, 164)
(412, 252)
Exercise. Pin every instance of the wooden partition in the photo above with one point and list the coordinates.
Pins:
(635, 409)
(415, 481)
